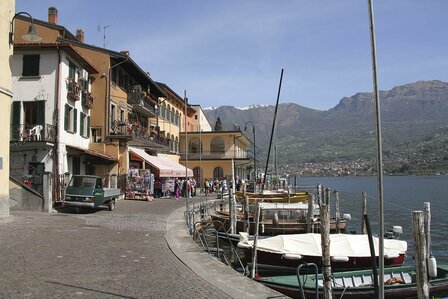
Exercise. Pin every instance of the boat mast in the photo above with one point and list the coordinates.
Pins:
(272, 132)
(379, 153)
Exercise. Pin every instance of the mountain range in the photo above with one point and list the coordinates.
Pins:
(414, 124)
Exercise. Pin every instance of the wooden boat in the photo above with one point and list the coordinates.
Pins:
(287, 218)
(274, 197)
(400, 282)
(284, 253)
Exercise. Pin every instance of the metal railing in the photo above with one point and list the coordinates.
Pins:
(127, 128)
(33, 133)
(195, 155)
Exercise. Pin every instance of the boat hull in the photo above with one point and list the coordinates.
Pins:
(289, 286)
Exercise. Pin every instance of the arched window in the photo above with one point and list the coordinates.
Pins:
(163, 111)
(173, 115)
(177, 118)
(177, 145)
(194, 146)
(168, 112)
(218, 173)
(217, 146)
(172, 144)
(197, 173)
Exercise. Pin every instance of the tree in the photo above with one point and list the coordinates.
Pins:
(218, 124)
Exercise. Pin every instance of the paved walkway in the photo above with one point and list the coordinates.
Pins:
(139, 250)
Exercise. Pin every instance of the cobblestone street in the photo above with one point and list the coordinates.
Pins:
(101, 254)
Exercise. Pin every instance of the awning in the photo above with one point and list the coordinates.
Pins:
(165, 167)
(98, 157)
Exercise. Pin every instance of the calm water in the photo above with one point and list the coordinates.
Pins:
(402, 195)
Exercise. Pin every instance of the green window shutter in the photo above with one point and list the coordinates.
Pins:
(67, 111)
(41, 112)
(31, 65)
(88, 126)
(75, 120)
(81, 123)
(15, 120)
(15, 113)
(71, 70)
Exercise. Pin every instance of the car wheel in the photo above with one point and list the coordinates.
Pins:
(111, 204)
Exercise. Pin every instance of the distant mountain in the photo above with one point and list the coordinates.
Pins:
(413, 117)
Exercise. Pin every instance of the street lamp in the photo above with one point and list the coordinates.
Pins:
(255, 157)
(30, 36)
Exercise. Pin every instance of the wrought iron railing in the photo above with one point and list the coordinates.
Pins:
(126, 128)
(33, 133)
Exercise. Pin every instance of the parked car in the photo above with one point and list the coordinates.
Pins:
(86, 191)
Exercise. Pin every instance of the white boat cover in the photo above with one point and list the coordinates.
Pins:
(341, 245)
(286, 206)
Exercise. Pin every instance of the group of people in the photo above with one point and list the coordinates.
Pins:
(166, 188)
(181, 187)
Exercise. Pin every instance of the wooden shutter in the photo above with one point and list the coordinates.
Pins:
(67, 111)
(81, 123)
(75, 120)
(15, 120)
(88, 126)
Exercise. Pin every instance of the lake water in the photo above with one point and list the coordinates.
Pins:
(401, 196)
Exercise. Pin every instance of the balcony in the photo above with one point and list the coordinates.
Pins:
(207, 155)
(73, 89)
(34, 133)
(137, 133)
(142, 103)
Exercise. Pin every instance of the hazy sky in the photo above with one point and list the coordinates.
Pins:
(232, 52)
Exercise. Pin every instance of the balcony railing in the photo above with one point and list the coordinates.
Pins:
(34, 133)
(133, 130)
(196, 155)
(142, 103)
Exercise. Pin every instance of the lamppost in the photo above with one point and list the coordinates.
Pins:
(255, 157)
(30, 36)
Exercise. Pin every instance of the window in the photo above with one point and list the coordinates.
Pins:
(84, 125)
(112, 117)
(194, 146)
(96, 135)
(218, 173)
(71, 70)
(31, 65)
(70, 119)
(217, 146)
(173, 115)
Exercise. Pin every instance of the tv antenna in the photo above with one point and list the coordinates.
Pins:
(103, 28)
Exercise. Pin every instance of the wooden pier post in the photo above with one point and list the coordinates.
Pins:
(327, 198)
(254, 249)
(325, 243)
(338, 212)
(319, 194)
(246, 214)
(310, 215)
(420, 254)
(363, 212)
(427, 222)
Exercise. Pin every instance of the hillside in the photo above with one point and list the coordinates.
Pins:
(414, 127)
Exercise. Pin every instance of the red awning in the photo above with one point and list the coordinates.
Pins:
(166, 167)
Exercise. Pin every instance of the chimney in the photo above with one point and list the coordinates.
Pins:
(52, 15)
(80, 35)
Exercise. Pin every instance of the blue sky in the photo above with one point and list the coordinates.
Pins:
(232, 52)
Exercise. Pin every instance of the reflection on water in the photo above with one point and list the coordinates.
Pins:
(402, 195)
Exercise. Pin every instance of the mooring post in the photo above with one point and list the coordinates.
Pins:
(246, 214)
(325, 243)
(254, 249)
(364, 212)
(319, 194)
(338, 212)
(310, 215)
(427, 221)
(420, 254)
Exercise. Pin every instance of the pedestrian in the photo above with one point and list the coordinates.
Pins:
(206, 186)
(177, 188)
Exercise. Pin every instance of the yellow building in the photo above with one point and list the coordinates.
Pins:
(7, 11)
(214, 154)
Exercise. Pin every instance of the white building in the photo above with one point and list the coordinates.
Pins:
(50, 122)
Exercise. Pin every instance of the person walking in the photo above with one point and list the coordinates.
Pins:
(177, 188)
(206, 186)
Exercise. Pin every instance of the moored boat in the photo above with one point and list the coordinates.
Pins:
(400, 282)
(284, 253)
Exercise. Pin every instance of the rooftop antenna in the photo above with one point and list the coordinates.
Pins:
(103, 28)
